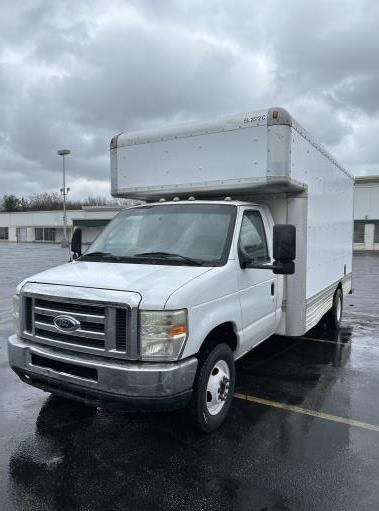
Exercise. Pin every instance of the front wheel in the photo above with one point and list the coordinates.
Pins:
(213, 390)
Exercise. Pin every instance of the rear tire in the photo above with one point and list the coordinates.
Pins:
(213, 389)
(334, 316)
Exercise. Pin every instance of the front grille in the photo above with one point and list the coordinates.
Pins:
(121, 329)
(95, 327)
(71, 339)
(70, 307)
(28, 314)
(92, 320)
(84, 325)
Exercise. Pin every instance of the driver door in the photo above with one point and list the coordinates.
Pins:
(257, 288)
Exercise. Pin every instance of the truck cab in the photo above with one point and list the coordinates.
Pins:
(161, 287)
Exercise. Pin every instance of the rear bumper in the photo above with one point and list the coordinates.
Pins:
(101, 381)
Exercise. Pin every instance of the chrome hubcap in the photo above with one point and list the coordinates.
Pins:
(218, 387)
(339, 309)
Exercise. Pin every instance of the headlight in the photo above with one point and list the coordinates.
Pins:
(162, 334)
(16, 314)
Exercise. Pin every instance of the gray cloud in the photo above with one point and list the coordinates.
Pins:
(75, 73)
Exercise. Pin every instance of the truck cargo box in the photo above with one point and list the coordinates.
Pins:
(264, 157)
(236, 155)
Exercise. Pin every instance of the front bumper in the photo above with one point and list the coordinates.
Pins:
(101, 381)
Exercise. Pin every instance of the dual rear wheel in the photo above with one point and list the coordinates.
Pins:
(334, 316)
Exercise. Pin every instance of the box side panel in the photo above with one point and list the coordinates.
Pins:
(222, 160)
(277, 204)
(292, 209)
(295, 285)
(330, 215)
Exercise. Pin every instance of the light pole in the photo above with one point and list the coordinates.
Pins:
(64, 192)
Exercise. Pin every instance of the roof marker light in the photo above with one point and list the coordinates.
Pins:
(275, 114)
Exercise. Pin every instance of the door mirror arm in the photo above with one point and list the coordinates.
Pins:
(279, 267)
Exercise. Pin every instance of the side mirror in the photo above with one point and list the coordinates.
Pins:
(76, 243)
(284, 249)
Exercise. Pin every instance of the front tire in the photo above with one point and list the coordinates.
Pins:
(214, 387)
(334, 316)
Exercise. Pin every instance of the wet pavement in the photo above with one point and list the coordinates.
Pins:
(57, 455)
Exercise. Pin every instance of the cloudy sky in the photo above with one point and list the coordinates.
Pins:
(74, 73)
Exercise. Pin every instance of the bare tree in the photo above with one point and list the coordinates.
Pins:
(94, 201)
(46, 202)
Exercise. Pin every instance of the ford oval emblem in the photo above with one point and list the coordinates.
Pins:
(66, 323)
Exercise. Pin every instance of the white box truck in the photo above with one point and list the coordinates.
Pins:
(246, 232)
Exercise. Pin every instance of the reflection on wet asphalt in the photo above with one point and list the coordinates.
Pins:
(58, 455)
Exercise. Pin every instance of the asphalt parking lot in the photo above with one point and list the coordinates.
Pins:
(302, 434)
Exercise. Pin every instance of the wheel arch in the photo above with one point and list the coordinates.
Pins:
(224, 333)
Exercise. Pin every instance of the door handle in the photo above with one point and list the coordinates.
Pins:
(272, 288)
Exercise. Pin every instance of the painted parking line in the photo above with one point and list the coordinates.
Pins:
(307, 411)
(337, 343)
(323, 340)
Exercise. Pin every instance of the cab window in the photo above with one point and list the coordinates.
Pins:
(253, 238)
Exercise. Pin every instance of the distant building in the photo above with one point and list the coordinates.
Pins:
(366, 213)
(47, 226)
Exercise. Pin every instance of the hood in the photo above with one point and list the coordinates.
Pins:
(155, 283)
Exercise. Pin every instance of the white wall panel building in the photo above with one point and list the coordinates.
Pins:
(366, 213)
(47, 226)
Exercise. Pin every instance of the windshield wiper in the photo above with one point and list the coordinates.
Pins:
(103, 255)
(157, 255)
(166, 255)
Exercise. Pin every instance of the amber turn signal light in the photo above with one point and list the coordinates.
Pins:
(176, 330)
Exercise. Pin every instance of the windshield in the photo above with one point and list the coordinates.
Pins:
(190, 234)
